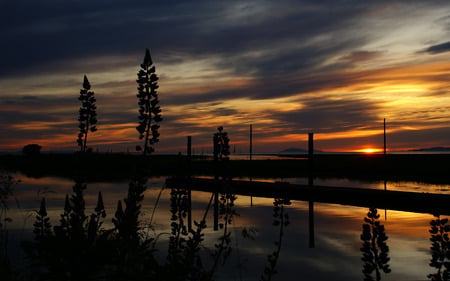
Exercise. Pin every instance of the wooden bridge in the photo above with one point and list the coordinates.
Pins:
(383, 199)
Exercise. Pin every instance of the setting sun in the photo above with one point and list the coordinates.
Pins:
(370, 150)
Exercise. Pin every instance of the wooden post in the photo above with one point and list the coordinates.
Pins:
(251, 141)
(189, 146)
(384, 135)
(310, 158)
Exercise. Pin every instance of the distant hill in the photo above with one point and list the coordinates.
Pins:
(433, 149)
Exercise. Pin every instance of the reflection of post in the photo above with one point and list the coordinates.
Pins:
(311, 183)
(189, 193)
(311, 224)
(385, 210)
(250, 153)
(216, 210)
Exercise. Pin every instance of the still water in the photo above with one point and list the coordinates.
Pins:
(322, 241)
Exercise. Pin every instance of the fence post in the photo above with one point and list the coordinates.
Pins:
(310, 158)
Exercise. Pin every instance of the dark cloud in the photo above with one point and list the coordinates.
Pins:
(419, 138)
(359, 56)
(267, 88)
(323, 115)
(439, 48)
(41, 33)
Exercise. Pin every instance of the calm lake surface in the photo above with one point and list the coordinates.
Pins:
(326, 246)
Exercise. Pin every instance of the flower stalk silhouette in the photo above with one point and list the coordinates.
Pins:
(88, 114)
(149, 110)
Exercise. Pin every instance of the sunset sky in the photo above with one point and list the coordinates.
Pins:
(335, 68)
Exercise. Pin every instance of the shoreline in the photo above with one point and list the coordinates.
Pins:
(429, 168)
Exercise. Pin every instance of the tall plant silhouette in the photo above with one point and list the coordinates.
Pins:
(374, 247)
(440, 249)
(149, 110)
(88, 114)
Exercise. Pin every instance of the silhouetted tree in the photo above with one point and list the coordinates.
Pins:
(374, 248)
(88, 114)
(440, 249)
(31, 149)
(149, 110)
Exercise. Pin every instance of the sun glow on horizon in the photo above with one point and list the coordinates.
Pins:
(369, 150)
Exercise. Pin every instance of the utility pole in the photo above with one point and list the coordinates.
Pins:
(384, 135)
(251, 141)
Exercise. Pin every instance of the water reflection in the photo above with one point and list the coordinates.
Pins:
(374, 247)
(281, 220)
(252, 235)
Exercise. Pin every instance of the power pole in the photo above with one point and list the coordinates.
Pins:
(251, 141)
(384, 135)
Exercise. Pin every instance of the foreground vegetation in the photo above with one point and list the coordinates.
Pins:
(79, 247)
